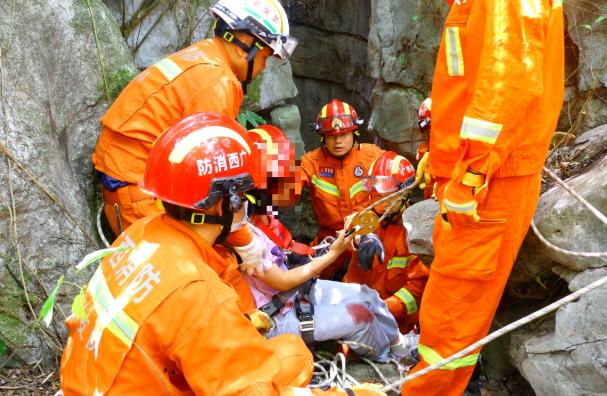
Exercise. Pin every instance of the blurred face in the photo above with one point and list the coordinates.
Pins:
(340, 144)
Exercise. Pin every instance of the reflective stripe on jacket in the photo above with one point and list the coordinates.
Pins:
(157, 316)
(198, 78)
(336, 184)
(495, 113)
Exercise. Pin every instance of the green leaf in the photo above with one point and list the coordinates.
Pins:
(599, 19)
(78, 306)
(589, 27)
(98, 255)
(242, 120)
(415, 18)
(2, 348)
(46, 313)
(250, 117)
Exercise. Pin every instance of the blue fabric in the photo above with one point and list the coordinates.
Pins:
(109, 182)
(333, 316)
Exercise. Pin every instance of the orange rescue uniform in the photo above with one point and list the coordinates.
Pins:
(496, 98)
(402, 276)
(336, 190)
(198, 78)
(158, 320)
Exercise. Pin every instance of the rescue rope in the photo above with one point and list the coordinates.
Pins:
(584, 202)
(100, 229)
(561, 250)
(512, 326)
(577, 196)
(325, 244)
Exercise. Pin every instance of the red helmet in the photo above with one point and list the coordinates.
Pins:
(389, 173)
(199, 160)
(283, 184)
(337, 117)
(425, 115)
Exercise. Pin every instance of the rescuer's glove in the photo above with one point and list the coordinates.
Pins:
(460, 200)
(261, 320)
(422, 178)
(396, 306)
(370, 246)
(252, 256)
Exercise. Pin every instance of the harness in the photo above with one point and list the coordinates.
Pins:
(304, 309)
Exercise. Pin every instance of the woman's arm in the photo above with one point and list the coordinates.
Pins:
(287, 280)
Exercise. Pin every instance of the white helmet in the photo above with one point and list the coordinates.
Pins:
(265, 19)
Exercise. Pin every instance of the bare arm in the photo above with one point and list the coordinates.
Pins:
(287, 280)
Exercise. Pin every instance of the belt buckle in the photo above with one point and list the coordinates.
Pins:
(306, 322)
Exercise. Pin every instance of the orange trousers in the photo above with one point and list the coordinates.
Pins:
(134, 204)
(471, 266)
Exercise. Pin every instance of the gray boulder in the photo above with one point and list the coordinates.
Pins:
(567, 354)
(419, 222)
(57, 72)
(566, 223)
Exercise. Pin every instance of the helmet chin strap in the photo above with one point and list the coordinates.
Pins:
(221, 30)
(227, 215)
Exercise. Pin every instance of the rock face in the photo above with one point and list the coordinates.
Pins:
(155, 29)
(572, 346)
(403, 42)
(55, 79)
(585, 107)
(567, 355)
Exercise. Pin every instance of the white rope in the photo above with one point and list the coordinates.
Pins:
(577, 196)
(587, 204)
(100, 229)
(561, 250)
(512, 326)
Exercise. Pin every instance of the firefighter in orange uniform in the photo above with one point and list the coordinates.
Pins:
(382, 260)
(333, 173)
(205, 77)
(157, 318)
(496, 98)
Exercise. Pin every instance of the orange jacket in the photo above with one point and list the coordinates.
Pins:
(335, 184)
(402, 274)
(196, 79)
(497, 82)
(160, 321)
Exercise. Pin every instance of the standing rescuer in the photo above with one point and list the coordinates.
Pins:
(205, 77)
(333, 172)
(496, 97)
(157, 320)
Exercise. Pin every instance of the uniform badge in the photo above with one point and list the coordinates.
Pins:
(358, 171)
(327, 172)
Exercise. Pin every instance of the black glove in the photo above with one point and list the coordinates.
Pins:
(370, 246)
